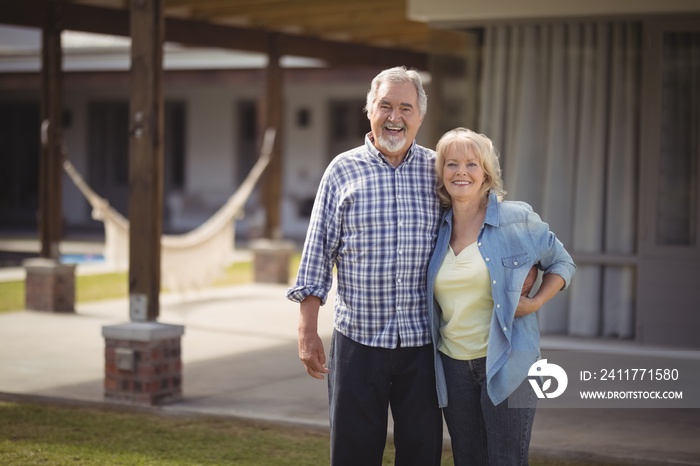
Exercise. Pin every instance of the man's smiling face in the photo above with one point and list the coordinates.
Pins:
(395, 118)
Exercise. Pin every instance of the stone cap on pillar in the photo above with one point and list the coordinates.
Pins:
(270, 246)
(143, 331)
(43, 265)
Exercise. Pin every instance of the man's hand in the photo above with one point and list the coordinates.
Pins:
(312, 354)
(550, 286)
(529, 282)
(526, 306)
(311, 350)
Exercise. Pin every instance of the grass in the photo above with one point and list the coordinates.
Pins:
(44, 434)
(115, 285)
(87, 288)
(11, 296)
(41, 434)
(52, 435)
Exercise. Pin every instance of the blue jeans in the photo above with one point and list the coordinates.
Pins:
(483, 433)
(362, 384)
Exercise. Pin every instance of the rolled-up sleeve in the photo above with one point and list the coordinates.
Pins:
(554, 258)
(315, 274)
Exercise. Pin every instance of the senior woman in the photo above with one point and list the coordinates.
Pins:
(486, 334)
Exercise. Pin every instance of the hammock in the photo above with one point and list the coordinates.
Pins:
(190, 260)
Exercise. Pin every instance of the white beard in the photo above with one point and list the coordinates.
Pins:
(392, 143)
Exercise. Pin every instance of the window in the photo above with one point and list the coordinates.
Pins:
(348, 125)
(109, 149)
(678, 207)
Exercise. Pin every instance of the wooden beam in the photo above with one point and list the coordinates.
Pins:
(97, 20)
(198, 33)
(274, 111)
(28, 13)
(51, 158)
(145, 159)
(204, 34)
(307, 11)
(295, 8)
(220, 3)
(345, 54)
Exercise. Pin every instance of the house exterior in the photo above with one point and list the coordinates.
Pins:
(212, 135)
(594, 107)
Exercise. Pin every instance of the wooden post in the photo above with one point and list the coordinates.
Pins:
(274, 111)
(50, 285)
(145, 159)
(271, 255)
(51, 158)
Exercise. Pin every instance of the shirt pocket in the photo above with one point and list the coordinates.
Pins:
(515, 269)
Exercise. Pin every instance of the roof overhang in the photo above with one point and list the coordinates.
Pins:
(474, 12)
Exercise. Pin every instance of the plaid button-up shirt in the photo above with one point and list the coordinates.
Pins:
(377, 224)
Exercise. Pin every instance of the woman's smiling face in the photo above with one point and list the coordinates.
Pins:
(463, 175)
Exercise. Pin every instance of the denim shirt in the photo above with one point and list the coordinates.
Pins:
(512, 240)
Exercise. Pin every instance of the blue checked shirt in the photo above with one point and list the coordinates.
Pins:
(377, 224)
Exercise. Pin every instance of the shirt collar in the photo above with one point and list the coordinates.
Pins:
(492, 212)
(372, 149)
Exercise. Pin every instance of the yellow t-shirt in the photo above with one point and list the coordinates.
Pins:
(463, 290)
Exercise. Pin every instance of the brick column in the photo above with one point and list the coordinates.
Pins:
(271, 260)
(143, 363)
(49, 286)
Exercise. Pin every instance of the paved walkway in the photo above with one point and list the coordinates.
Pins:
(240, 359)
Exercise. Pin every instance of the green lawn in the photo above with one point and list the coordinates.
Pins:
(53, 435)
(11, 296)
(38, 434)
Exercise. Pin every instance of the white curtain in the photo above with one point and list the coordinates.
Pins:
(561, 103)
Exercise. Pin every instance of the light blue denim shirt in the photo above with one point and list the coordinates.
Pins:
(512, 240)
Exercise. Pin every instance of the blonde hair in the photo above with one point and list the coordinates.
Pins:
(479, 146)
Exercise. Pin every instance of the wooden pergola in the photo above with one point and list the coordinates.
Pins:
(343, 34)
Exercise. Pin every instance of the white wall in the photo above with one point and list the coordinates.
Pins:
(306, 149)
(211, 145)
(75, 207)
(209, 141)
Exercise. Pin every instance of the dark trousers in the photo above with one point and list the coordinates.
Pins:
(363, 383)
(484, 434)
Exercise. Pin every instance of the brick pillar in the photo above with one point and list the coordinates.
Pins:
(49, 286)
(143, 365)
(271, 260)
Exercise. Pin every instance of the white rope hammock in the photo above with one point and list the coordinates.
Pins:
(190, 260)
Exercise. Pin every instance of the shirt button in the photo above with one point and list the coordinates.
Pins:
(498, 305)
(398, 281)
(505, 329)
(494, 282)
(487, 259)
(479, 243)
(400, 251)
(515, 262)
